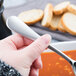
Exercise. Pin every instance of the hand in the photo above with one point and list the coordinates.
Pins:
(23, 54)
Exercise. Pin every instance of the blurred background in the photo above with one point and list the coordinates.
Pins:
(13, 3)
(14, 7)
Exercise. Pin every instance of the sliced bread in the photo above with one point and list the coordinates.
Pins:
(48, 13)
(69, 22)
(60, 27)
(72, 8)
(31, 16)
(61, 8)
(54, 22)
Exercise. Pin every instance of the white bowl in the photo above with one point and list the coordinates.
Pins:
(64, 46)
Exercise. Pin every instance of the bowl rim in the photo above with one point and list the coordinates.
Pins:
(65, 42)
(64, 46)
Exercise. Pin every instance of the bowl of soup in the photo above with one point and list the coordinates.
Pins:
(55, 65)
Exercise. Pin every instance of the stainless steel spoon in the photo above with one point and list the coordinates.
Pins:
(18, 26)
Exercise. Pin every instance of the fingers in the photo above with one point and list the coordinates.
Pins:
(34, 72)
(36, 48)
(17, 41)
(27, 41)
(35, 67)
(37, 63)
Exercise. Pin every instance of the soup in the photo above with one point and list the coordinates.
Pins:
(55, 65)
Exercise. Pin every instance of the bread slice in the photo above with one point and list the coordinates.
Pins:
(31, 16)
(54, 22)
(61, 8)
(72, 8)
(60, 27)
(69, 23)
(48, 13)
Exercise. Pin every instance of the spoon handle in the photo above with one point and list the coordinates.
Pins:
(18, 26)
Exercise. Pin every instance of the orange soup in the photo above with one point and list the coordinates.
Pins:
(55, 65)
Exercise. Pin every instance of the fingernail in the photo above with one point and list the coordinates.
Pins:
(46, 38)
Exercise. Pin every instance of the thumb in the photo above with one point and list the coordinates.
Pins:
(34, 50)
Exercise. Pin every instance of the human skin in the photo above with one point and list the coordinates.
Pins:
(23, 54)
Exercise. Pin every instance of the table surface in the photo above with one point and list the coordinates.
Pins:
(11, 3)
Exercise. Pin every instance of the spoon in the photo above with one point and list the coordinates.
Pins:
(18, 26)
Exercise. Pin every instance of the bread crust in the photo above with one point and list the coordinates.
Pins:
(66, 28)
(29, 17)
(52, 28)
(60, 27)
(71, 9)
(48, 13)
(61, 11)
(54, 22)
